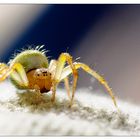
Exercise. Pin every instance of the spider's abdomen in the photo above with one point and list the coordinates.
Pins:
(31, 59)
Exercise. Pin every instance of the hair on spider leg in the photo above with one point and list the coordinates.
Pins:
(78, 58)
(67, 49)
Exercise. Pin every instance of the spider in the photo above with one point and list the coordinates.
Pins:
(30, 70)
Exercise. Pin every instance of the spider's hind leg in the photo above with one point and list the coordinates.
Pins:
(67, 71)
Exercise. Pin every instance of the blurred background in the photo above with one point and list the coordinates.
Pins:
(106, 37)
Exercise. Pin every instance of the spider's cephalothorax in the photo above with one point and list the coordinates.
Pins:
(30, 70)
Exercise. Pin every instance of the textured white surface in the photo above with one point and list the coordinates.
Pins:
(90, 115)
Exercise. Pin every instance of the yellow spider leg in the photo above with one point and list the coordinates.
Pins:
(54, 85)
(20, 70)
(67, 70)
(63, 58)
(15, 76)
(3, 65)
(13, 70)
(66, 81)
(52, 67)
(3, 68)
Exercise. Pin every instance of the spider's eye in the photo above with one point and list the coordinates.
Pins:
(45, 73)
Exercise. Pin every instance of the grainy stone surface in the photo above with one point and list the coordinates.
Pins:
(26, 114)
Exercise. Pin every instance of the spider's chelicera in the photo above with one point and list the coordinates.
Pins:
(30, 70)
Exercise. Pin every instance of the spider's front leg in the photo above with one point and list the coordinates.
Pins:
(67, 71)
(3, 70)
(52, 68)
(16, 72)
(63, 58)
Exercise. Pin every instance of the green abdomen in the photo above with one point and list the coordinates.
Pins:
(31, 59)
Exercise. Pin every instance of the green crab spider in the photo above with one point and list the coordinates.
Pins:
(30, 70)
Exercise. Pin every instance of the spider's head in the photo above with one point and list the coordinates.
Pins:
(42, 73)
(40, 77)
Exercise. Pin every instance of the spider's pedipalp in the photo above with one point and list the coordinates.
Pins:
(67, 71)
